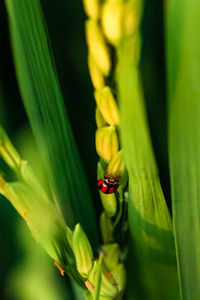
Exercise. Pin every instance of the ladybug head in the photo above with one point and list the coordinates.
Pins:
(111, 180)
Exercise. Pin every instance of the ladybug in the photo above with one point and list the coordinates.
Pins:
(108, 185)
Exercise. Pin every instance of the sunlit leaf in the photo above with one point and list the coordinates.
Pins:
(183, 60)
(149, 218)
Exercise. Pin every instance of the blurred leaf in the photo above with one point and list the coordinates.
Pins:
(149, 218)
(44, 104)
(35, 277)
(183, 58)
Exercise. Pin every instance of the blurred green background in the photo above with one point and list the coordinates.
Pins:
(65, 22)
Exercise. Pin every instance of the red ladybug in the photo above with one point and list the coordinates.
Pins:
(108, 185)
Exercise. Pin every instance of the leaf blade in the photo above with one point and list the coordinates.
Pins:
(183, 54)
(149, 218)
(45, 107)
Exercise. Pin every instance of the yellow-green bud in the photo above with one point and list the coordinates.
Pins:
(119, 274)
(106, 228)
(8, 151)
(117, 169)
(109, 203)
(89, 296)
(99, 119)
(97, 46)
(96, 75)
(107, 105)
(107, 142)
(93, 276)
(130, 17)
(92, 296)
(111, 258)
(112, 12)
(91, 8)
(82, 251)
(108, 286)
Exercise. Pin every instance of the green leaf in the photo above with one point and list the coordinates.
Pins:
(149, 218)
(44, 104)
(183, 61)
